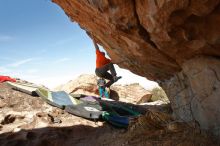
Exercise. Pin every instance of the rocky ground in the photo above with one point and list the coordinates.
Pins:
(28, 121)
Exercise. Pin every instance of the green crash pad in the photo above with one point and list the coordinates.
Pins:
(114, 113)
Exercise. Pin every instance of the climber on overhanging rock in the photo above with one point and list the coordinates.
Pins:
(103, 65)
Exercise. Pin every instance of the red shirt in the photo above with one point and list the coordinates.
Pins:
(101, 60)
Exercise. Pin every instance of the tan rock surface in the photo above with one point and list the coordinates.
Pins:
(84, 84)
(132, 93)
(150, 37)
(156, 39)
(194, 92)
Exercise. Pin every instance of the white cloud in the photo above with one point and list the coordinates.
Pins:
(21, 62)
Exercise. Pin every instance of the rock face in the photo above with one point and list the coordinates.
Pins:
(161, 40)
(87, 84)
(195, 91)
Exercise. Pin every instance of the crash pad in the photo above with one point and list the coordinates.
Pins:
(72, 105)
(24, 87)
(116, 114)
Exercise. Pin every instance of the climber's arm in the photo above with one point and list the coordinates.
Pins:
(96, 46)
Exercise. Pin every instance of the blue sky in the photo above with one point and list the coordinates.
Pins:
(39, 43)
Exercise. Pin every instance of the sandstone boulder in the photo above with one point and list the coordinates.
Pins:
(161, 40)
(132, 93)
(84, 84)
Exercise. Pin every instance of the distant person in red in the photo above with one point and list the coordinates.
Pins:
(6, 78)
(103, 65)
